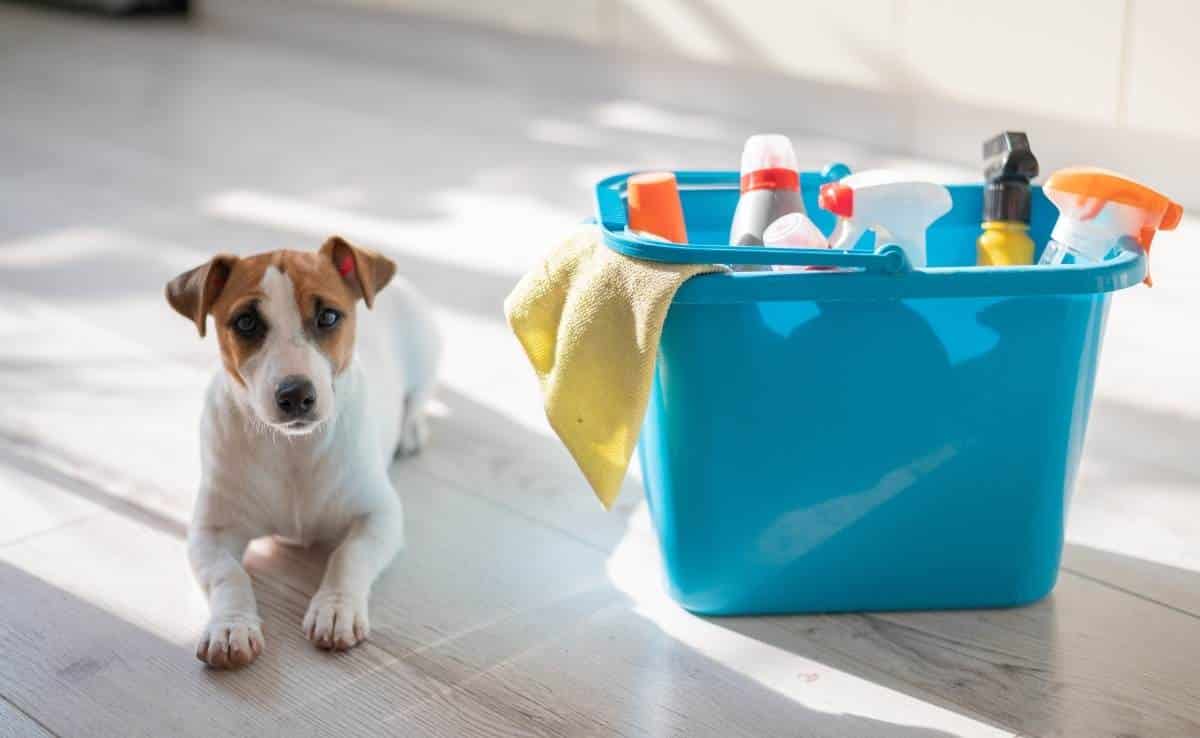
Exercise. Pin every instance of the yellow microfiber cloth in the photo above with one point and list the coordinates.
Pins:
(590, 319)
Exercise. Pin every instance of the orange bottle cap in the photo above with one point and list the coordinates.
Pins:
(654, 207)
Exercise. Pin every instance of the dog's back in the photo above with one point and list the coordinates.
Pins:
(398, 348)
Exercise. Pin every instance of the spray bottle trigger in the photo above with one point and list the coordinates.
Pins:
(1147, 236)
(1172, 217)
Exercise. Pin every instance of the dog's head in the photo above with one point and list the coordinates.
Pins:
(285, 323)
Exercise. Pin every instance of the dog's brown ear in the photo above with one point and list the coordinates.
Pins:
(193, 293)
(365, 270)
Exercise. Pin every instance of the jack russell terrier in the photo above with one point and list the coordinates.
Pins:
(299, 429)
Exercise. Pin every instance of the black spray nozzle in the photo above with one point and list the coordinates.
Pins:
(1009, 165)
(1008, 157)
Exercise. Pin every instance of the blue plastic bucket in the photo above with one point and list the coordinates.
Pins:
(880, 439)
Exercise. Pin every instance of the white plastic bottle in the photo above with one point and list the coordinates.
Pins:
(796, 231)
(770, 189)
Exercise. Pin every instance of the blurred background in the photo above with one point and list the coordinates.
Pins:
(463, 138)
(917, 77)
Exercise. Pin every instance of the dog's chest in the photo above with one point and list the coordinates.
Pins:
(301, 496)
(302, 488)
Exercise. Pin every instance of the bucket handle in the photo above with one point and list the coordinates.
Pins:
(889, 259)
(610, 213)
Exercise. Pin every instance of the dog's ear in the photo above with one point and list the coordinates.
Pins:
(193, 293)
(364, 270)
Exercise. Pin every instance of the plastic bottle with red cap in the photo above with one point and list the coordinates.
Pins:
(770, 188)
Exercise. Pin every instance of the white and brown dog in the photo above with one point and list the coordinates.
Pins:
(298, 430)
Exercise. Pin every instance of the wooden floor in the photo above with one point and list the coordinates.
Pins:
(130, 150)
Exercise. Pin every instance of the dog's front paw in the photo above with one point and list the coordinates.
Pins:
(228, 643)
(336, 620)
(414, 434)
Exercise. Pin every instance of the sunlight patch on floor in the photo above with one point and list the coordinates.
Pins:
(635, 568)
(123, 567)
(501, 234)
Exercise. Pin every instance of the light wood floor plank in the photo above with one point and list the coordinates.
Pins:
(16, 724)
(98, 635)
(1089, 660)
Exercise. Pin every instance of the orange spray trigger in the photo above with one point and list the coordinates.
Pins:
(1170, 219)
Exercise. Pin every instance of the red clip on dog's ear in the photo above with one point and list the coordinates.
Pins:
(366, 270)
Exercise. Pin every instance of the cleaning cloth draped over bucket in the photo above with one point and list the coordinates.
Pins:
(590, 319)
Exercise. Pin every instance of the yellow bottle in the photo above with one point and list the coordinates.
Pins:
(1004, 243)
(1010, 165)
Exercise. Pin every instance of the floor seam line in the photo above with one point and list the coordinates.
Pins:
(1131, 593)
(31, 718)
(52, 529)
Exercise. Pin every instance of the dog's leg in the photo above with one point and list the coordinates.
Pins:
(422, 358)
(337, 616)
(234, 636)
(414, 430)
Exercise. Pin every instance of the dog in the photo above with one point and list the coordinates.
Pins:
(314, 400)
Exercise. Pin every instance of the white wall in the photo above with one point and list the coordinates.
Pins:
(1106, 82)
(1119, 62)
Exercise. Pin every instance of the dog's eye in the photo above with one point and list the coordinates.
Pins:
(247, 324)
(328, 318)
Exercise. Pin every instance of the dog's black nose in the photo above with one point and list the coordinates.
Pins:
(295, 396)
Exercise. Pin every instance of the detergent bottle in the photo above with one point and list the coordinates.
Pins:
(795, 231)
(770, 189)
(1009, 166)
(1096, 208)
(898, 208)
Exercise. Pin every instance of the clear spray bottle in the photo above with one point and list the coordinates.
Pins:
(1096, 208)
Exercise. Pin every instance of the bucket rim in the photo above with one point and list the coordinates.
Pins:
(875, 276)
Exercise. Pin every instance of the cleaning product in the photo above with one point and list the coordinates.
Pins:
(1009, 165)
(895, 206)
(653, 207)
(1097, 207)
(796, 231)
(770, 189)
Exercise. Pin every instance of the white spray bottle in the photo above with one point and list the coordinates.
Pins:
(898, 208)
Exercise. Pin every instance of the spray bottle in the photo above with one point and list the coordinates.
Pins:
(770, 189)
(1009, 166)
(1096, 208)
(896, 207)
